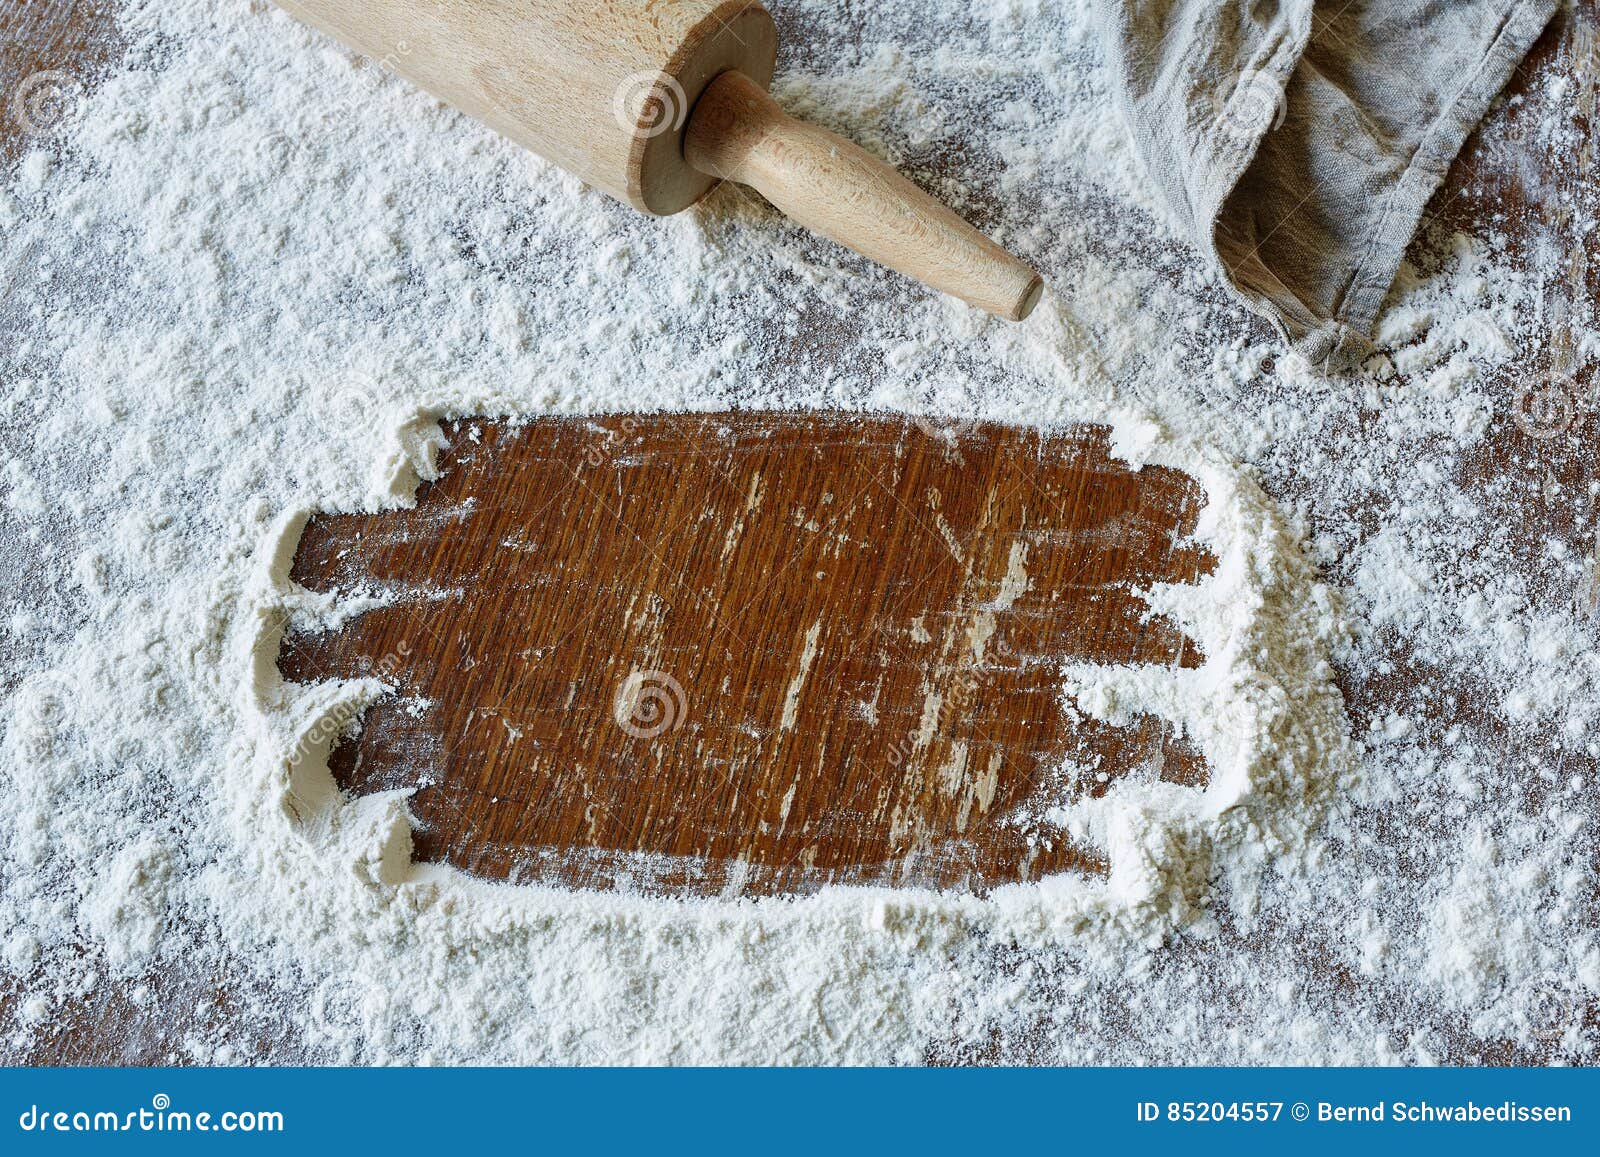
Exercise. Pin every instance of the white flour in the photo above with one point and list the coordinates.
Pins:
(252, 271)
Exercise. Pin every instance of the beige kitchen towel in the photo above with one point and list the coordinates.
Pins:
(1296, 142)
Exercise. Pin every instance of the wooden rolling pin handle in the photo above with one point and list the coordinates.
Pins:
(832, 187)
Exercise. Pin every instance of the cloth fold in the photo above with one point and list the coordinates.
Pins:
(1296, 144)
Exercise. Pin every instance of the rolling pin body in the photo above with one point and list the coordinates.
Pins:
(612, 91)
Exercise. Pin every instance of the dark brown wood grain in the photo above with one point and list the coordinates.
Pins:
(753, 652)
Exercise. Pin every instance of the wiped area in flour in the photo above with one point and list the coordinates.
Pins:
(250, 278)
(828, 647)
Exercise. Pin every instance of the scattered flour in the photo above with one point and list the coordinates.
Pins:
(250, 275)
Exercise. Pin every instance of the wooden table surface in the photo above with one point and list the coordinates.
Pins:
(759, 653)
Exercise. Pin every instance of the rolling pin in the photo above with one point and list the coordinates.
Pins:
(654, 102)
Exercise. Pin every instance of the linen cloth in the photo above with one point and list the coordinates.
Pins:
(1296, 143)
